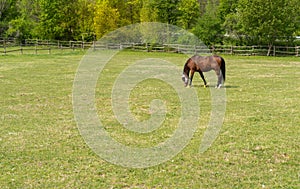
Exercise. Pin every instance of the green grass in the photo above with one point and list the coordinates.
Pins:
(41, 146)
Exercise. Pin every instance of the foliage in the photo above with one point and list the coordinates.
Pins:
(229, 18)
(265, 21)
(148, 12)
(8, 12)
(106, 18)
(189, 13)
(167, 10)
(208, 28)
(25, 23)
(57, 20)
(85, 14)
(213, 21)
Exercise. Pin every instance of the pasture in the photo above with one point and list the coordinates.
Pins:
(41, 147)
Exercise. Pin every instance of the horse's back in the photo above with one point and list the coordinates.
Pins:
(203, 63)
(218, 59)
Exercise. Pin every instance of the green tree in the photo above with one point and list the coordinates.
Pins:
(230, 21)
(8, 11)
(189, 13)
(265, 21)
(202, 4)
(85, 20)
(167, 10)
(106, 18)
(148, 12)
(132, 10)
(129, 11)
(58, 19)
(23, 25)
(208, 28)
(227, 7)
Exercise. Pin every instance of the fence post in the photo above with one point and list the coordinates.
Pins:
(297, 51)
(274, 50)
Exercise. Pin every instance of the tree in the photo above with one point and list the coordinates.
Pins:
(189, 13)
(167, 10)
(8, 11)
(265, 21)
(229, 18)
(85, 20)
(129, 11)
(202, 4)
(208, 28)
(58, 19)
(106, 18)
(148, 12)
(23, 25)
(4, 6)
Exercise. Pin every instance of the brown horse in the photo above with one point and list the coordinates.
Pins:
(204, 64)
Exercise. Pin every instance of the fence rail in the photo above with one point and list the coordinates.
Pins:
(35, 46)
(258, 50)
(32, 45)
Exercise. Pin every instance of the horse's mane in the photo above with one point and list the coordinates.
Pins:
(186, 68)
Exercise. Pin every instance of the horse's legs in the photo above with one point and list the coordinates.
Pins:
(220, 78)
(202, 76)
(191, 77)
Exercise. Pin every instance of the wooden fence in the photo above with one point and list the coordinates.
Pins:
(8, 46)
(256, 50)
(34, 46)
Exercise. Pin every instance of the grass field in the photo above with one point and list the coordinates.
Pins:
(41, 147)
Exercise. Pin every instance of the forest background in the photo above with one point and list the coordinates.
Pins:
(234, 22)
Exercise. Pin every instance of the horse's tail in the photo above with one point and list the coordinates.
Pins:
(223, 68)
(186, 70)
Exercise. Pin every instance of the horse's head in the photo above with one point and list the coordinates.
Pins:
(185, 79)
(186, 71)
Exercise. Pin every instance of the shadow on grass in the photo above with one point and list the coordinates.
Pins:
(214, 86)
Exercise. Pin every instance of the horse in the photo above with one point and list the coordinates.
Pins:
(202, 64)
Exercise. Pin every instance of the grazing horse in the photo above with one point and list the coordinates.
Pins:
(204, 64)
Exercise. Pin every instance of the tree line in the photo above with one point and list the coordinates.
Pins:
(234, 22)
